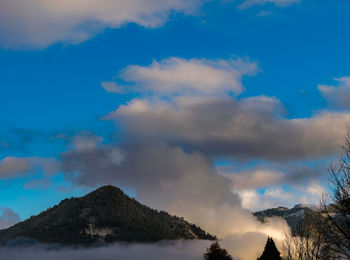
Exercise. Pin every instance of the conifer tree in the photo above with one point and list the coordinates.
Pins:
(215, 252)
(270, 252)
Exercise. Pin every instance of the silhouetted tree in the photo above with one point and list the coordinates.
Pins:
(270, 252)
(336, 205)
(215, 252)
(308, 242)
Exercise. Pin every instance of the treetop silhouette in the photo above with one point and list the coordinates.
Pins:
(215, 252)
(270, 252)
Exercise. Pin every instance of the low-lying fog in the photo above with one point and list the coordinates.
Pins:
(185, 250)
(240, 246)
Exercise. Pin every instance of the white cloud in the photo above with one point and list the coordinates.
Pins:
(279, 3)
(337, 95)
(86, 141)
(185, 76)
(315, 189)
(276, 196)
(250, 199)
(256, 178)
(314, 192)
(111, 87)
(271, 198)
(40, 23)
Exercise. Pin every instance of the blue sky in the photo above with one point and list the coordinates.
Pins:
(51, 90)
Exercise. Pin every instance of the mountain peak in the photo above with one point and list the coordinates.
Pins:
(104, 215)
(107, 190)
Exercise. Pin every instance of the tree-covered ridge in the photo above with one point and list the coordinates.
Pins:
(104, 215)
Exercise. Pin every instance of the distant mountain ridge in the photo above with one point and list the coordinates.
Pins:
(293, 216)
(102, 216)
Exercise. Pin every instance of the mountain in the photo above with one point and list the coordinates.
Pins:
(305, 216)
(293, 216)
(103, 216)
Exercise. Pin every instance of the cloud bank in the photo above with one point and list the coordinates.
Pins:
(190, 103)
(168, 178)
(249, 128)
(40, 23)
(37, 24)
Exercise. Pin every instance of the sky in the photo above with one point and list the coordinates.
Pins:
(225, 104)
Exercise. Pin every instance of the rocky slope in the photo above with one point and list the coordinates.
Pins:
(293, 216)
(102, 216)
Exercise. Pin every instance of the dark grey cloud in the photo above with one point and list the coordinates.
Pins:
(152, 169)
(302, 174)
(250, 128)
(8, 218)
